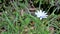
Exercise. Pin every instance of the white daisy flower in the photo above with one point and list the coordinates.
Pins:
(41, 14)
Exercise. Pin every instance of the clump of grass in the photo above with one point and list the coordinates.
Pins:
(12, 22)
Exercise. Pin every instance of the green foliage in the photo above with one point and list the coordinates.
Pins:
(14, 23)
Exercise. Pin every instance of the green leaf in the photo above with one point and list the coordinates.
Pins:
(27, 21)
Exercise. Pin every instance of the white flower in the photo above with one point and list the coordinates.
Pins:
(41, 14)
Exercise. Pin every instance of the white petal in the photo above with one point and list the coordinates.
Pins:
(36, 13)
(40, 18)
(44, 11)
(40, 10)
(46, 15)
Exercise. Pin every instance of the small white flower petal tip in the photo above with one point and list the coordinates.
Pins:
(41, 14)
